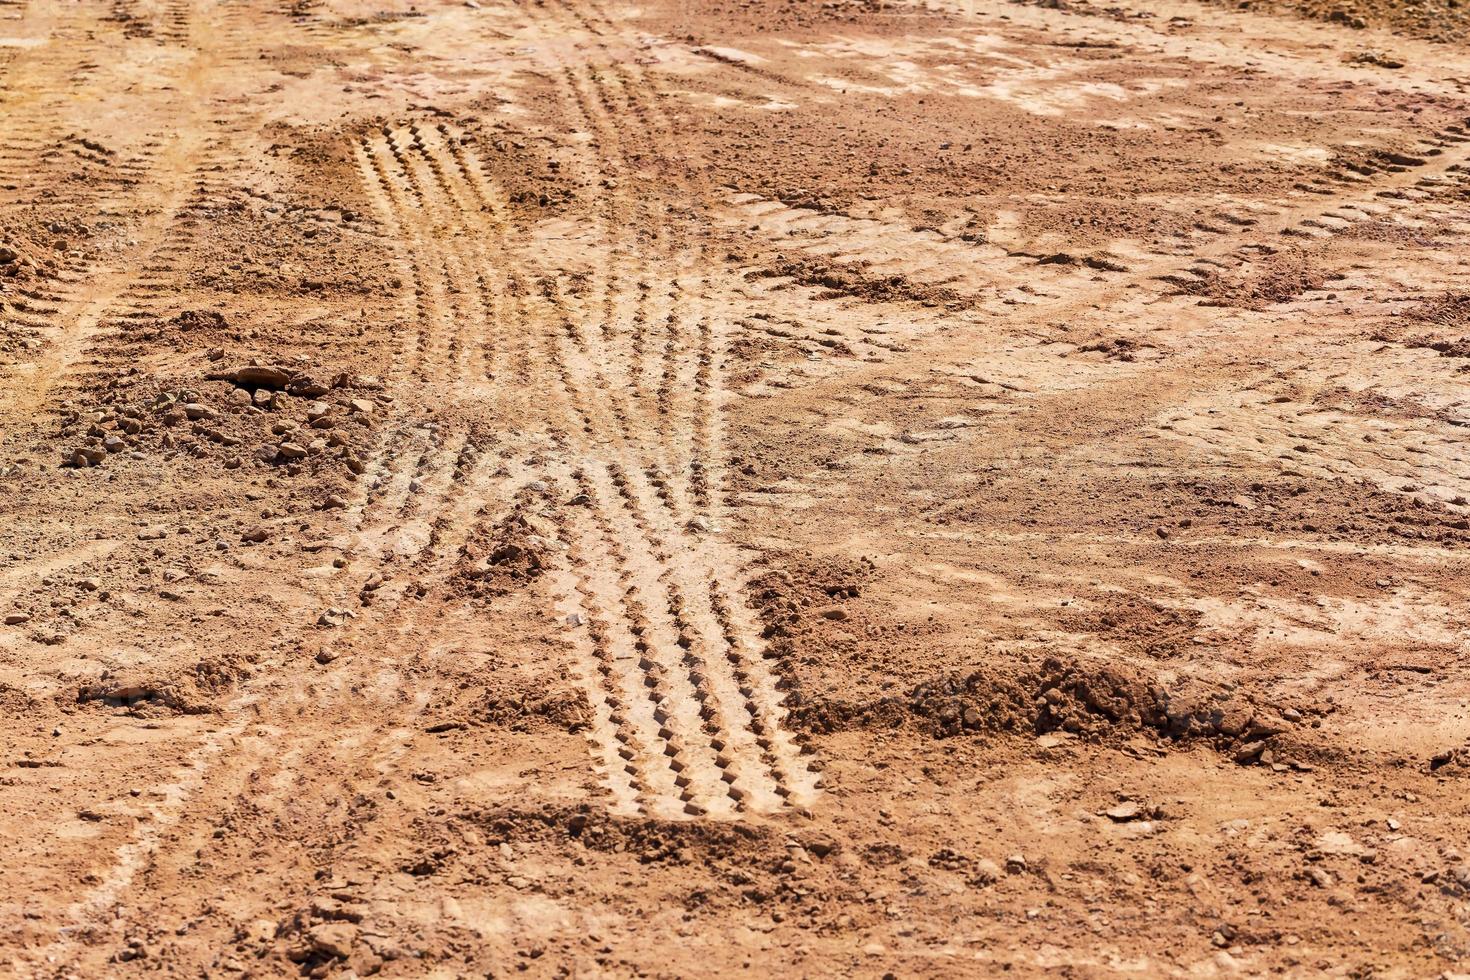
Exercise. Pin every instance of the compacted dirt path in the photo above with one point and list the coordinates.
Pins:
(859, 488)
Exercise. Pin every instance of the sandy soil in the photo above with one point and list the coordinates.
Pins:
(762, 487)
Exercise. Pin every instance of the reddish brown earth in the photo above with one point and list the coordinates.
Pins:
(858, 488)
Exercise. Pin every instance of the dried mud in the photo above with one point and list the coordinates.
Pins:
(864, 488)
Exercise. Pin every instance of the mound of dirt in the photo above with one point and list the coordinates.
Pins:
(1280, 278)
(503, 557)
(1448, 22)
(306, 424)
(191, 691)
(852, 279)
(1452, 762)
(23, 257)
(1096, 702)
(563, 710)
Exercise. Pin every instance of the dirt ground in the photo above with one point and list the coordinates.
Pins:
(751, 487)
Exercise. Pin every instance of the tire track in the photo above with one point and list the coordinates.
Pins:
(686, 717)
(91, 303)
(747, 734)
(415, 297)
(656, 334)
(638, 613)
(432, 353)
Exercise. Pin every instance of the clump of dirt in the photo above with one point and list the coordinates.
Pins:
(1369, 160)
(1136, 622)
(1447, 316)
(1297, 507)
(1452, 762)
(1380, 58)
(1450, 310)
(597, 830)
(1280, 278)
(21, 259)
(15, 702)
(264, 415)
(535, 706)
(199, 320)
(1125, 349)
(503, 557)
(814, 590)
(1100, 263)
(984, 701)
(191, 692)
(1447, 22)
(1098, 703)
(844, 279)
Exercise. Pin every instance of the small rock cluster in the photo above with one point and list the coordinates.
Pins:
(274, 415)
(18, 263)
(496, 560)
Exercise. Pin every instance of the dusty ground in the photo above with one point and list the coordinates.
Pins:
(757, 486)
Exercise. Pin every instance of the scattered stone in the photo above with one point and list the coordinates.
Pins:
(334, 939)
(304, 387)
(253, 376)
(1378, 58)
(1016, 863)
(819, 845)
(291, 450)
(335, 617)
(986, 871)
(1249, 752)
(255, 535)
(17, 618)
(1124, 812)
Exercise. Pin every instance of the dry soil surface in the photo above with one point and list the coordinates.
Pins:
(936, 488)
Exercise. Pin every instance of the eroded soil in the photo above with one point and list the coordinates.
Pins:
(855, 488)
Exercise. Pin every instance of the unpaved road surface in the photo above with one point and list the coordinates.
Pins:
(751, 487)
